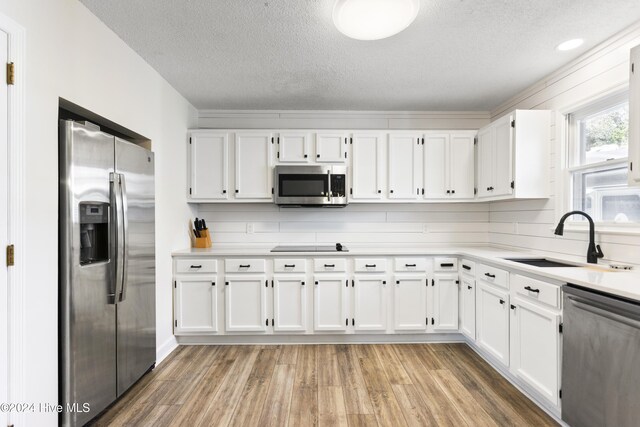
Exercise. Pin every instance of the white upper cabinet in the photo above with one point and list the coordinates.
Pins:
(366, 167)
(370, 303)
(634, 117)
(331, 147)
(403, 157)
(513, 156)
(208, 165)
(448, 165)
(293, 147)
(254, 172)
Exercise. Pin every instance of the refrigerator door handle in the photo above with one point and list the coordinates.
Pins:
(113, 237)
(124, 206)
(118, 236)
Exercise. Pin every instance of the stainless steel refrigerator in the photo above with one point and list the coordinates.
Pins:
(107, 268)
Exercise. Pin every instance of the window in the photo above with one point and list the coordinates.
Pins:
(598, 151)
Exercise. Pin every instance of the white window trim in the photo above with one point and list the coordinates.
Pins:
(563, 172)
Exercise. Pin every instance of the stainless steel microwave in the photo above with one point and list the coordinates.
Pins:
(311, 186)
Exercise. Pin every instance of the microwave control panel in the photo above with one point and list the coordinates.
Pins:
(338, 185)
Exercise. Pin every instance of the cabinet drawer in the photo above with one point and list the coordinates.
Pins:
(536, 290)
(245, 265)
(329, 264)
(363, 265)
(289, 265)
(445, 264)
(492, 275)
(468, 267)
(196, 265)
(410, 264)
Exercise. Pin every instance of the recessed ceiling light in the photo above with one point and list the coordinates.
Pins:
(570, 44)
(374, 19)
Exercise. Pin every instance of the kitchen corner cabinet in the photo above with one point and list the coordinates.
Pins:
(293, 147)
(367, 169)
(634, 117)
(513, 156)
(448, 165)
(208, 166)
(196, 303)
(403, 159)
(492, 322)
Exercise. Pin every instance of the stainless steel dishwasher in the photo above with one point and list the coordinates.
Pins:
(601, 359)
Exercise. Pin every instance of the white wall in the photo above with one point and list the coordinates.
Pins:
(71, 54)
(529, 224)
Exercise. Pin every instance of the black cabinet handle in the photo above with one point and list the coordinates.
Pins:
(466, 267)
(448, 191)
(453, 191)
(244, 266)
(224, 191)
(446, 264)
(469, 287)
(501, 301)
(409, 265)
(530, 289)
(316, 282)
(379, 191)
(329, 265)
(302, 283)
(305, 156)
(289, 265)
(391, 191)
(513, 307)
(493, 276)
(317, 156)
(195, 266)
(370, 265)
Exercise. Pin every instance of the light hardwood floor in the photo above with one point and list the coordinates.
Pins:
(333, 385)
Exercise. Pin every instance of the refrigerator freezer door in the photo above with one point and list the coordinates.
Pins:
(136, 317)
(87, 312)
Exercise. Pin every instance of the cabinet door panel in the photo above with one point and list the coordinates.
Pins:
(461, 163)
(196, 305)
(245, 299)
(366, 167)
(254, 175)
(370, 312)
(634, 117)
(468, 307)
(330, 303)
(445, 302)
(209, 165)
(410, 303)
(503, 157)
(485, 161)
(290, 303)
(534, 347)
(403, 162)
(435, 166)
(330, 147)
(293, 147)
(492, 323)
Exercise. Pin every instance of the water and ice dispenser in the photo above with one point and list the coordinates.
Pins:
(94, 232)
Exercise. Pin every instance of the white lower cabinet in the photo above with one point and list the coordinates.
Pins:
(196, 303)
(535, 341)
(370, 303)
(445, 302)
(410, 302)
(330, 303)
(468, 306)
(492, 321)
(245, 303)
(289, 303)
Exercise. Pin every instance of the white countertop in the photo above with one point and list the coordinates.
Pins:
(597, 277)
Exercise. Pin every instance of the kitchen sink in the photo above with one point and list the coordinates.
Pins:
(541, 262)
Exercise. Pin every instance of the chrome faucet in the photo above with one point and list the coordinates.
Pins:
(593, 252)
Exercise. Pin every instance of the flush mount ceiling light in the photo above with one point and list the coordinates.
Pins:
(570, 44)
(374, 19)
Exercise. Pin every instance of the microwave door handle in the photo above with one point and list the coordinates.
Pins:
(116, 238)
(125, 236)
(329, 186)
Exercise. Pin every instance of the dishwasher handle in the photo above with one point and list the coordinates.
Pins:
(605, 304)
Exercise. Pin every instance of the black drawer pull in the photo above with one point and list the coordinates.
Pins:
(329, 265)
(530, 289)
(501, 301)
(409, 265)
(493, 276)
(244, 266)
(466, 267)
(370, 265)
(289, 266)
(446, 264)
(196, 266)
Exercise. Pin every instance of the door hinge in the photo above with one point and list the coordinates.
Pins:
(190, 190)
(631, 166)
(475, 140)
(272, 283)
(433, 320)
(345, 154)
(266, 322)
(475, 191)
(351, 141)
(427, 321)
(346, 322)
(560, 327)
(175, 322)
(175, 284)
(10, 256)
(278, 154)
(433, 282)
(353, 283)
(353, 322)
(513, 123)
(271, 322)
(351, 191)
(272, 140)
(272, 190)
(632, 67)
(513, 184)
(189, 140)
(11, 73)
(560, 393)
(266, 283)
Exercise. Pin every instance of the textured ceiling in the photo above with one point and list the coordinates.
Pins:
(287, 54)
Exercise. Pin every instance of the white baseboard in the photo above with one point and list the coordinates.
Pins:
(165, 349)
(319, 339)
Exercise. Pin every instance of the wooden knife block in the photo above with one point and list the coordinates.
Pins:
(204, 241)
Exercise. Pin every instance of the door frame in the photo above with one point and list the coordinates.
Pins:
(16, 181)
